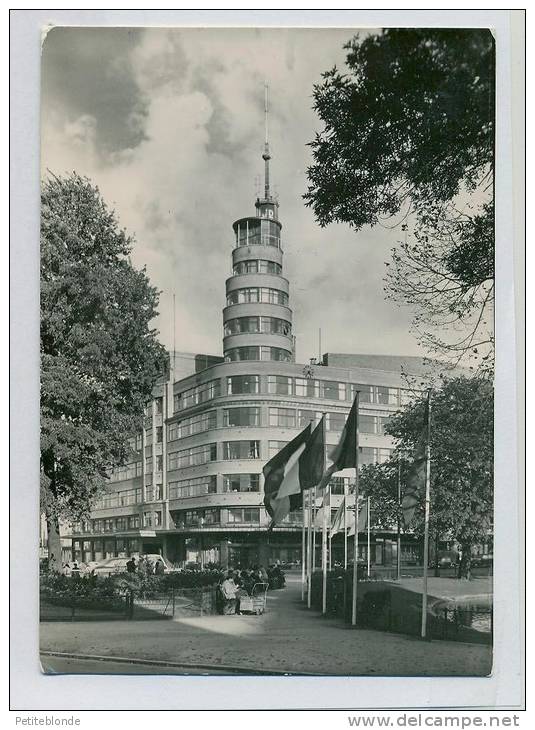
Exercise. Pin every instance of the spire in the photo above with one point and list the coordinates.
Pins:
(266, 156)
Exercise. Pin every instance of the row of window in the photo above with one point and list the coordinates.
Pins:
(310, 388)
(253, 325)
(257, 294)
(258, 232)
(274, 354)
(367, 455)
(119, 499)
(197, 394)
(212, 516)
(129, 471)
(189, 426)
(288, 385)
(257, 266)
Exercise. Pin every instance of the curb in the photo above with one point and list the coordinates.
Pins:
(179, 665)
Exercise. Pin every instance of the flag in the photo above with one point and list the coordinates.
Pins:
(325, 507)
(344, 455)
(338, 522)
(415, 481)
(363, 518)
(312, 462)
(282, 491)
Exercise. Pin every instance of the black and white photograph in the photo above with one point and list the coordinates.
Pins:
(267, 351)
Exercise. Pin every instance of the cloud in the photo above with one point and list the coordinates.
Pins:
(170, 127)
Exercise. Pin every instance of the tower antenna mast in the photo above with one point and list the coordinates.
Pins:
(266, 156)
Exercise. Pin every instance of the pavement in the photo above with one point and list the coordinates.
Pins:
(288, 638)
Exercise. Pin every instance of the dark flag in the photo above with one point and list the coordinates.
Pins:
(282, 490)
(344, 456)
(415, 481)
(312, 461)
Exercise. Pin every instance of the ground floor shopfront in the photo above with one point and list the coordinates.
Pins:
(243, 548)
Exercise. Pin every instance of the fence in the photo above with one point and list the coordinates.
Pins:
(130, 605)
(388, 607)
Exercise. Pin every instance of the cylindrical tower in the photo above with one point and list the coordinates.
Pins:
(257, 320)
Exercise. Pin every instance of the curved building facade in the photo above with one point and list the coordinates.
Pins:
(194, 489)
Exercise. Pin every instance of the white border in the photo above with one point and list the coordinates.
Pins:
(30, 690)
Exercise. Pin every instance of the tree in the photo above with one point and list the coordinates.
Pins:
(408, 140)
(99, 357)
(461, 463)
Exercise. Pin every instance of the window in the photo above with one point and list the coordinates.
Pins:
(269, 325)
(279, 384)
(246, 416)
(241, 482)
(148, 463)
(241, 450)
(306, 387)
(306, 417)
(366, 455)
(244, 515)
(159, 463)
(257, 294)
(192, 456)
(332, 390)
(212, 516)
(260, 266)
(387, 396)
(159, 405)
(237, 354)
(337, 485)
(275, 446)
(276, 354)
(159, 434)
(147, 519)
(366, 424)
(139, 468)
(366, 392)
(108, 525)
(284, 417)
(189, 426)
(336, 421)
(237, 384)
(198, 394)
(139, 442)
(120, 523)
(195, 487)
(157, 519)
(133, 522)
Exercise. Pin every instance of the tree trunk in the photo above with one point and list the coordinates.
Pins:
(54, 543)
(466, 561)
(437, 569)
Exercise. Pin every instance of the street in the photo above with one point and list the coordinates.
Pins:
(287, 638)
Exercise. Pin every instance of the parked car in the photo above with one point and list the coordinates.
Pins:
(446, 559)
(110, 566)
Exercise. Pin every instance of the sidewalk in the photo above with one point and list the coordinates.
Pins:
(286, 638)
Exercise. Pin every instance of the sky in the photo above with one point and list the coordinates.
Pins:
(168, 123)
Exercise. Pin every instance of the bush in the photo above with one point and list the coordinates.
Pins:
(80, 590)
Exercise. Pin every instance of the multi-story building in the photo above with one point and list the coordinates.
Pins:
(194, 490)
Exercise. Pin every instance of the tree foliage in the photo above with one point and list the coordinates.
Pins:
(408, 139)
(99, 356)
(461, 463)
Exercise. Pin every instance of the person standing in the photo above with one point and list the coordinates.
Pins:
(229, 590)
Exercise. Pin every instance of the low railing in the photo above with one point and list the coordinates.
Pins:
(130, 605)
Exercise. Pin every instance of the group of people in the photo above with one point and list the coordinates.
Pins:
(244, 582)
(144, 566)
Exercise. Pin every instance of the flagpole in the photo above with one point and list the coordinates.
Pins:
(326, 498)
(426, 524)
(314, 530)
(356, 540)
(369, 539)
(309, 549)
(399, 522)
(345, 523)
(303, 549)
